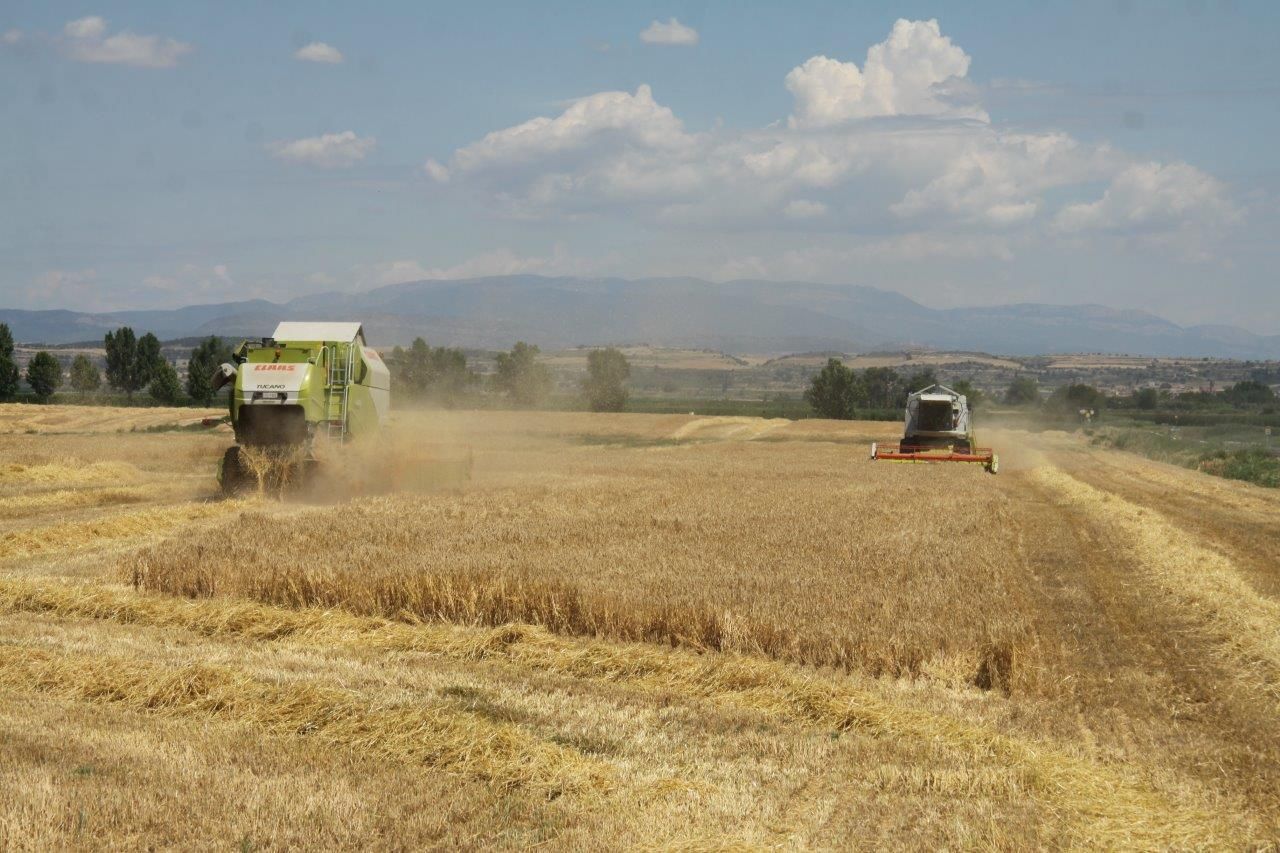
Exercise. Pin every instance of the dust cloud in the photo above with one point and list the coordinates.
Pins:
(420, 453)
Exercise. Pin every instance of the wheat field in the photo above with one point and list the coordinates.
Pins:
(630, 631)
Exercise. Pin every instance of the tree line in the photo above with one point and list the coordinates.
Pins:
(840, 392)
(442, 375)
(1245, 395)
(43, 374)
(132, 364)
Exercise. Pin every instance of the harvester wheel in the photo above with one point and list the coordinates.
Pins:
(962, 447)
(231, 474)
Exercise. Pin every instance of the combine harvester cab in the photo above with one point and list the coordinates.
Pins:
(306, 381)
(937, 429)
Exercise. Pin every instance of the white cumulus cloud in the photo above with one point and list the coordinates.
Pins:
(637, 155)
(803, 209)
(11, 37)
(393, 272)
(827, 263)
(191, 280)
(905, 74)
(68, 287)
(495, 263)
(1152, 195)
(998, 179)
(607, 116)
(91, 27)
(328, 151)
(436, 171)
(86, 40)
(318, 51)
(930, 166)
(672, 33)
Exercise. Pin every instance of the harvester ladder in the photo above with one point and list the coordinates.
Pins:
(338, 391)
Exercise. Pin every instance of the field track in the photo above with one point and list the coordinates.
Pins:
(634, 630)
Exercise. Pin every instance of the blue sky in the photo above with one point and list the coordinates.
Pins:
(157, 154)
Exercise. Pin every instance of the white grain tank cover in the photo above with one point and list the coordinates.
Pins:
(379, 382)
(379, 375)
(324, 332)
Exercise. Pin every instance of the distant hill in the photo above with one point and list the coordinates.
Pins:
(735, 316)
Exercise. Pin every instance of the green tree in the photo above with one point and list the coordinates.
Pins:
(395, 363)
(149, 359)
(1147, 398)
(1022, 391)
(453, 378)
(205, 359)
(880, 387)
(122, 360)
(84, 375)
(520, 376)
(972, 395)
(437, 373)
(415, 374)
(44, 375)
(1249, 393)
(164, 385)
(131, 362)
(1071, 398)
(831, 393)
(9, 373)
(607, 371)
(917, 381)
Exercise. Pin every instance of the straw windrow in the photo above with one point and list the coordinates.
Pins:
(435, 737)
(1096, 802)
(73, 536)
(1203, 586)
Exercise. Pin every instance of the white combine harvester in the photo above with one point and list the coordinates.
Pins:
(937, 429)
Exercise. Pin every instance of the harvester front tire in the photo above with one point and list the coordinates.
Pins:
(231, 474)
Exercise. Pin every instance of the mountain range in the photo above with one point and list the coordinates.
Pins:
(735, 316)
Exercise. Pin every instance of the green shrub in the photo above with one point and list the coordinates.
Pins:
(1253, 466)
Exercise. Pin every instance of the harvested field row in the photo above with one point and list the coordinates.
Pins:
(743, 429)
(1203, 585)
(692, 770)
(64, 461)
(1130, 811)
(76, 536)
(39, 503)
(1238, 519)
(530, 427)
(68, 472)
(78, 775)
(17, 418)
(437, 737)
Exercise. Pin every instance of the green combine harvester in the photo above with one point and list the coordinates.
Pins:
(307, 383)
